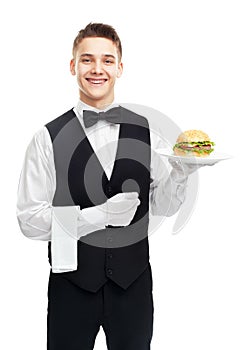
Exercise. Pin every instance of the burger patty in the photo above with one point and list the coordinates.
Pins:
(195, 147)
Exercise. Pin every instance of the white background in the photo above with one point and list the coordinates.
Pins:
(184, 58)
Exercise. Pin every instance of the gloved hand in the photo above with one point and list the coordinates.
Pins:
(182, 170)
(118, 210)
(121, 208)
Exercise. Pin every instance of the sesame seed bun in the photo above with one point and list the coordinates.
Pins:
(193, 136)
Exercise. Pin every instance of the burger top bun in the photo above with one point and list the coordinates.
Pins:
(192, 136)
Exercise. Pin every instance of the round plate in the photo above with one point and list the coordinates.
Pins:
(212, 159)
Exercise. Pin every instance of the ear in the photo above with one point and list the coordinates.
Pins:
(72, 67)
(119, 69)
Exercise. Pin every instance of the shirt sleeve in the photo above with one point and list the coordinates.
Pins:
(36, 188)
(167, 192)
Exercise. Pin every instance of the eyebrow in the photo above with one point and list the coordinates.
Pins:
(91, 55)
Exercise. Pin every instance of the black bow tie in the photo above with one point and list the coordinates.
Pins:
(90, 118)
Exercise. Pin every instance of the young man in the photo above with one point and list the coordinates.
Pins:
(101, 165)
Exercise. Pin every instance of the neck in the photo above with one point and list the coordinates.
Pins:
(98, 104)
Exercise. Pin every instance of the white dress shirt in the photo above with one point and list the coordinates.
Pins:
(37, 182)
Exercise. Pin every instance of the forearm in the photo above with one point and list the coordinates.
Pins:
(167, 196)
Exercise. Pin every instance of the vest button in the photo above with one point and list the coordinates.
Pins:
(109, 190)
(109, 271)
(109, 256)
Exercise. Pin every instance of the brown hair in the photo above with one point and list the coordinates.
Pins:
(98, 30)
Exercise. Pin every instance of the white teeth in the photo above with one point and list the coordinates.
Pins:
(96, 81)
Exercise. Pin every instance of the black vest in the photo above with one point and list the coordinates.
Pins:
(118, 253)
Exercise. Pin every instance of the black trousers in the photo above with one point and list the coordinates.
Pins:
(75, 315)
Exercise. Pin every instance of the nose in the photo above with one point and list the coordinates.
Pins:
(97, 67)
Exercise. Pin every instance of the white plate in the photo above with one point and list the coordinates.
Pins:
(212, 159)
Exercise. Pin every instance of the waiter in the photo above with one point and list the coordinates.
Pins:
(95, 168)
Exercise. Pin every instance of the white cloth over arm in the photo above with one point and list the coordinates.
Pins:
(64, 238)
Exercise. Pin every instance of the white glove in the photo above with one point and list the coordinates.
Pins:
(181, 170)
(121, 208)
(118, 210)
(179, 177)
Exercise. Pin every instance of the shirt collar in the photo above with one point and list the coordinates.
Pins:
(81, 106)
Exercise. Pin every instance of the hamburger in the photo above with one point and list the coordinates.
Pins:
(193, 143)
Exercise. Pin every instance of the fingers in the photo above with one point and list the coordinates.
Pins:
(124, 196)
(132, 199)
(132, 204)
(130, 195)
(121, 208)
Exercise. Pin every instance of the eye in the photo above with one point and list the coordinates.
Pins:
(108, 61)
(86, 60)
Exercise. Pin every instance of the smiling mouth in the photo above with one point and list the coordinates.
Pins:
(96, 82)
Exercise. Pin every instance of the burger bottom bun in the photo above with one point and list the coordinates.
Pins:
(179, 152)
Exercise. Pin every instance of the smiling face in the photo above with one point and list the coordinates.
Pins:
(96, 66)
